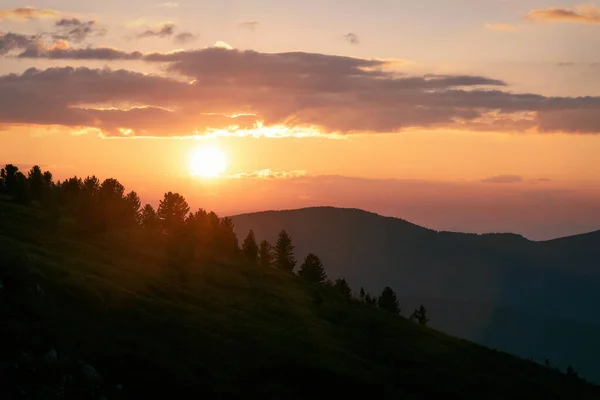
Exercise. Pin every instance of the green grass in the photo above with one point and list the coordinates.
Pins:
(226, 330)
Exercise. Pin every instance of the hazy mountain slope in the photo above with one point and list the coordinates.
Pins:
(373, 251)
(558, 278)
(229, 330)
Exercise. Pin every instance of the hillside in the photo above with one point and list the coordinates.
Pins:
(106, 303)
(468, 281)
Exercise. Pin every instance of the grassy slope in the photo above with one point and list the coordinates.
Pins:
(230, 330)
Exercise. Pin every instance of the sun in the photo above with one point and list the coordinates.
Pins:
(207, 162)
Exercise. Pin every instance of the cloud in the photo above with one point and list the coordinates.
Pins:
(502, 27)
(268, 174)
(166, 29)
(222, 45)
(584, 13)
(15, 41)
(64, 52)
(27, 13)
(33, 46)
(503, 179)
(352, 38)
(251, 25)
(273, 94)
(75, 30)
(168, 4)
(184, 37)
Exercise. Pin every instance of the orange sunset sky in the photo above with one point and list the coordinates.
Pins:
(468, 115)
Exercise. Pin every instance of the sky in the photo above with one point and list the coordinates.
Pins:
(464, 115)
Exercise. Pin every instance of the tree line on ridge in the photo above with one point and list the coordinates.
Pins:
(99, 206)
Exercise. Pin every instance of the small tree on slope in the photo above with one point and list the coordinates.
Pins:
(312, 269)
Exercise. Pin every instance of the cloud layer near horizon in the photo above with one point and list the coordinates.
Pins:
(584, 13)
(218, 89)
(27, 13)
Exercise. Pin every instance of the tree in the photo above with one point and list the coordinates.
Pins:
(47, 176)
(388, 301)
(362, 293)
(265, 255)
(111, 189)
(133, 202)
(372, 300)
(172, 211)
(284, 252)
(111, 204)
(10, 179)
(312, 269)
(21, 190)
(571, 372)
(2, 177)
(70, 190)
(420, 316)
(197, 225)
(342, 287)
(227, 239)
(250, 248)
(91, 185)
(36, 182)
(148, 218)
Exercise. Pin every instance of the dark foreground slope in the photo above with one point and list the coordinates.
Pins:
(108, 304)
(534, 299)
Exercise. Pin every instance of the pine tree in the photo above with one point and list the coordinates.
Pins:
(133, 204)
(284, 252)
(571, 372)
(420, 316)
(362, 293)
(343, 288)
(265, 254)
(172, 211)
(9, 175)
(36, 182)
(388, 301)
(312, 269)
(148, 218)
(250, 248)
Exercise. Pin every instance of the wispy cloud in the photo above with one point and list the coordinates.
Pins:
(14, 41)
(24, 13)
(168, 4)
(503, 179)
(75, 30)
(269, 174)
(184, 37)
(352, 38)
(502, 27)
(165, 29)
(251, 25)
(584, 13)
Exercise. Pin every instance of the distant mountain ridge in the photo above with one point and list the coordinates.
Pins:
(557, 278)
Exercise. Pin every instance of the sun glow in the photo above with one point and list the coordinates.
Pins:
(207, 162)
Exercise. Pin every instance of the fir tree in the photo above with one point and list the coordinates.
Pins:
(284, 252)
(312, 269)
(250, 248)
(388, 301)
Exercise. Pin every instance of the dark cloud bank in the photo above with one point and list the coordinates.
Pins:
(205, 88)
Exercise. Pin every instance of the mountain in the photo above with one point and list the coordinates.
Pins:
(104, 315)
(501, 290)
